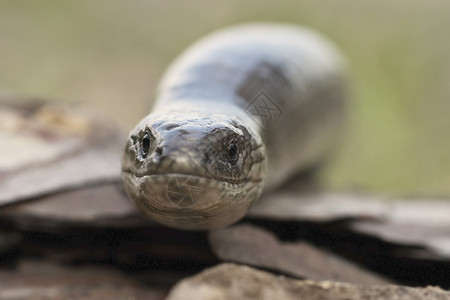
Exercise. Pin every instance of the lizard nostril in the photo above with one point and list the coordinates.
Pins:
(159, 151)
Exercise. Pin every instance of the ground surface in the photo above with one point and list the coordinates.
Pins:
(67, 229)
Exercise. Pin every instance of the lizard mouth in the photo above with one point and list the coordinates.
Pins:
(190, 202)
(207, 176)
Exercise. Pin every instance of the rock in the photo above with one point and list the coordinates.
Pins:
(100, 205)
(317, 206)
(302, 201)
(418, 222)
(44, 280)
(435, 239)
(46, 147)
(255, 246)
(133, 249)
(415, 222)
(9, 240)
(231, 281)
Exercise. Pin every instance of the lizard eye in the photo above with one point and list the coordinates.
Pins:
(145, 145)
(232, 153)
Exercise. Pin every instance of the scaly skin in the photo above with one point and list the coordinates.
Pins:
(240, 111)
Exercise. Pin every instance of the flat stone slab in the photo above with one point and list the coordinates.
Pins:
(47, 147)
(323, 206)
(43, 280)
(255, 246)
(434, 239)
(100, 205)
(9, 240)
(231, 281)
(409, 221)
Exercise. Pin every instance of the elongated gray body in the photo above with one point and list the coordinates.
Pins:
(240, 111)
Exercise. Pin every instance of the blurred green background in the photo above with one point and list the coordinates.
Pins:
(111, 54)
